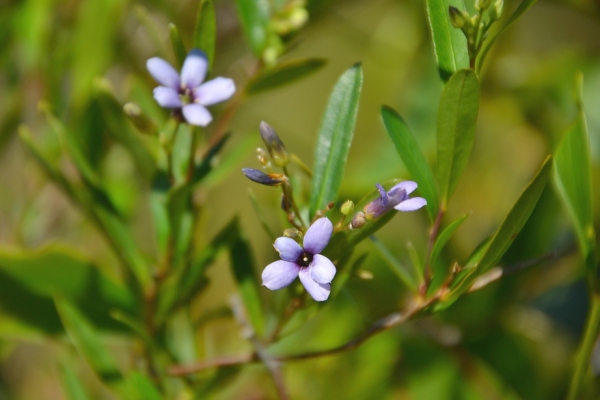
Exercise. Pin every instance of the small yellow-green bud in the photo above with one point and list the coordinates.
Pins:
(135, 114)
(291, 233)
(275, 146)
(261, 155)
(482, 4)
(496, 10)
(348, 207)
(456, 17)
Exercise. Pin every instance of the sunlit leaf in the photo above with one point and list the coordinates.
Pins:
(409, 151)
(442, 239)
(449, 43)
(72, 384)
(335, 137)
(456, 122)
(574, 182)
(205, 31)
(284, 73)
(142, 388)
(254, 17)
(524, 6)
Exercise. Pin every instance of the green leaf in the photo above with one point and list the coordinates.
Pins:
(254, 18)
(524, 6)
(88, 344)
(177, 44)
(335, 137)
(573, 177)
(449, 43)
(456, 122)
(409, 151)
(205, 30)
(515, 219)
(400, 270)
(142, 388)
(72, 383)
(443, 238)
(29, 280)
(284, 73)
(243, 267)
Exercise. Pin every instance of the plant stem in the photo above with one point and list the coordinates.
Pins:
(582, 359)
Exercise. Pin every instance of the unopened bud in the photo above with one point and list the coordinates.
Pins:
(286, 204)
(496, 10)
(359, 220)
(348, 207)
(275, 146)
(456, 17)
(261, 155)
(291, 233)
(482, 4)
(139, 119)
(260, 177)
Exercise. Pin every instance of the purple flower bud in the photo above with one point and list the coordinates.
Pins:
(260, 177)
(274, 145)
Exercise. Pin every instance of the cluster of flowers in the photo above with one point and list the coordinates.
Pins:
(188, 96)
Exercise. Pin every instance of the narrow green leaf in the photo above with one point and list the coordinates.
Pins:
(243, 267)
(515, 219)
(335, 137)
(30, 279)
(400, 270)
(142, 388)
(284, 73)
(456, 122)
(88, 343)
(261, 216)
(409, 151)
(254, 18)
(229, 163)
(71, 383)
(524, 6)
(449, 43)
(205, 30)
(443, 238)
(574, 181)
(177, 44)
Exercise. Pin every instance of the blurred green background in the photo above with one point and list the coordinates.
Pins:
(513, 339)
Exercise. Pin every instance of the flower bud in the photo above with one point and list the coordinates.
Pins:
(358, 220)
(456, 17)
(291, 233)
(348, 207)
(260, 177)
(275, 146)
(139, 119)
(261, 155)
(482, 4)
(496, 10)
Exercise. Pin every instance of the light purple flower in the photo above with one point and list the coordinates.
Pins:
(186, 92)
(396, 198)
(315, 271)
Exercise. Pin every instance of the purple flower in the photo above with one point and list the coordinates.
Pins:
(186, 91)
(396, 198)
(315, 271)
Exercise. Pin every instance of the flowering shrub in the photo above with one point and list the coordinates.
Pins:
(137, 262)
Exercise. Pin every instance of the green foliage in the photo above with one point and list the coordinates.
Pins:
(284, 73)
(205, 31)
(254, 16)
(335, 137)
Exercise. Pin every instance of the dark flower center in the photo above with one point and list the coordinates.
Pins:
(186, 95)
(305, 259)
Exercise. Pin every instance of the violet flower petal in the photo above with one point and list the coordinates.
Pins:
(318, 235)
(322, 269)
(167, 97)
(408, 186)
(163, 72)
(411, 204)
(279, 274)
(195, 114)
(194, 69)
(214, 91)
(288, 249)
(318, 291)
